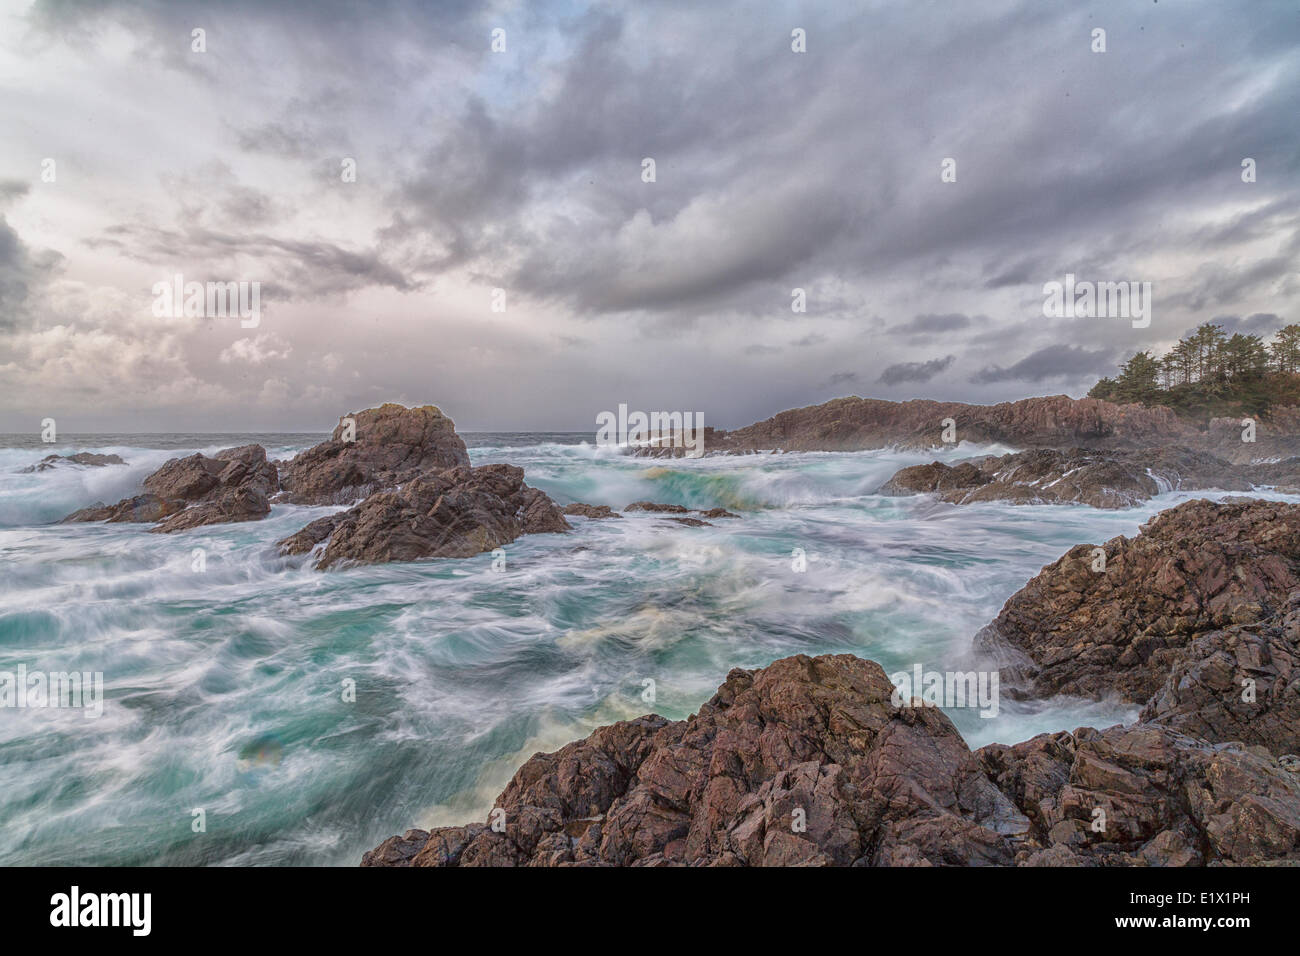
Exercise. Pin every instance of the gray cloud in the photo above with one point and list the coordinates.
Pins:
(915, 371)
(522, 170)
(1055, 361)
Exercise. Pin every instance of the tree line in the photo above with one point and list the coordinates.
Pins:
(1210, 373)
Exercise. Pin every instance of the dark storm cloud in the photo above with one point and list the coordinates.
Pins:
(915, 371)
(1054, 361)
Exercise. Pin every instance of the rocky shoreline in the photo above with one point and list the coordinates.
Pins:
(813, 760)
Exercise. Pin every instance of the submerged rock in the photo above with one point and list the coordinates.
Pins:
(451, 513)
(392, 445)
(596, 512)
(84, 458)
(233, 485)
(657, 508)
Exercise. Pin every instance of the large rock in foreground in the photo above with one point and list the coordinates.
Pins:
(452, 513)
(392, 445)
(808, 762)
(1196, 569)
(233, 485)
(1148, 796)
(811, 739)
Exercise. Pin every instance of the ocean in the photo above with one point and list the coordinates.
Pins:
(226, 679)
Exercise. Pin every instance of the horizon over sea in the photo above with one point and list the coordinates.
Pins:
(223, 687)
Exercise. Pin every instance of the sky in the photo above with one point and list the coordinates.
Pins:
(500, 253)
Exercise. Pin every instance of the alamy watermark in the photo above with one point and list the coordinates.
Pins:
(1091, 300)
(82, 690)
(946, 689)
(626, 429)
(177, 299)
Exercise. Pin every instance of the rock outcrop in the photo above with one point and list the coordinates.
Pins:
(808, 762)
(1057, 421)
(449, 513)
(373, 450)
(874, 783)
(1118, 479)
(233, 485)
(86, 459)
(1199, 568)
(1148, 796)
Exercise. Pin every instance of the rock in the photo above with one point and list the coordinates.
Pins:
(1057, 421)
(1118, 479)
(451, 513)
(310, 535)
(596, 512)
(393, 444)
(805, 762)
(85, 458)
(234, 485)
(141, 508)
(1195, 569)
(1238, 684)
(657, 508)
(1147, 796)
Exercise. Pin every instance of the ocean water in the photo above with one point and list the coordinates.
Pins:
(224, 687)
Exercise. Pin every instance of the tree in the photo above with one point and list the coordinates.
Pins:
(1285, 349)
(1137, 380)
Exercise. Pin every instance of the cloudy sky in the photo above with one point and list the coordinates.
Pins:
(521, 171)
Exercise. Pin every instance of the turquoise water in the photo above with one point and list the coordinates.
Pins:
(225, 687)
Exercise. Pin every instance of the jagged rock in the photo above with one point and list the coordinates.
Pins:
(590, 511)
(451, 513)
(233, 485)
(1194, 569)
(874, 784)
(1238, 684)
(84, 458)
(393, 444)
(808, 762)
(141, 508)
(1117, 479)
(1147, 796)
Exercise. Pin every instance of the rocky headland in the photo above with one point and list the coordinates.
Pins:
(811, 761)
(1055, 421)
